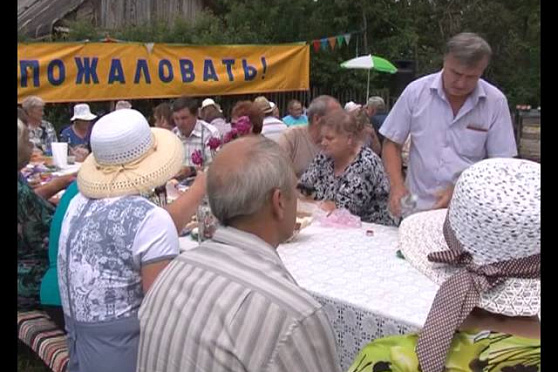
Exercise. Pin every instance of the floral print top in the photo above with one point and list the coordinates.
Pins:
(363, 188)
(43, 136)
(470, 351)
(34, 215)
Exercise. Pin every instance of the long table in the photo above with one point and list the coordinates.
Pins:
(366, 289)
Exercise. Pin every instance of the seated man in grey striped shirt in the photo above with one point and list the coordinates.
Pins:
(230, 304)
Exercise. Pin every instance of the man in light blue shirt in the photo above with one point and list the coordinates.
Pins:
(295, 116)
(454, 118)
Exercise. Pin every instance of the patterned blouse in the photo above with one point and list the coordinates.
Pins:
(363, 188)
(34, 215)
(471, 351)
(43, 136)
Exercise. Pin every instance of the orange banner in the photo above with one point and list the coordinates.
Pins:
(71, 72)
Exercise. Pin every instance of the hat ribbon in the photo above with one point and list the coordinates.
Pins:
(459, 294)
(118, 169)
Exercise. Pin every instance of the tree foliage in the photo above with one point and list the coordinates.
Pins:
(395, 29)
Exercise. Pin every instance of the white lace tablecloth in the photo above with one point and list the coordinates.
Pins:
(367, 291)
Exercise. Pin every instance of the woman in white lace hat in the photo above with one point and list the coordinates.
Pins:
(484, 252)
(114, 242)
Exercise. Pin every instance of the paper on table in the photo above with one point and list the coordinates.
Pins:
(68, 170)
(60, 154)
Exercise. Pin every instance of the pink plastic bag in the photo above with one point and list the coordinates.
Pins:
(338, 218)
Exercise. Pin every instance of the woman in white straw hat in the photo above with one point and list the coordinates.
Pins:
(114, 242)
(484, 252)
(77, 135)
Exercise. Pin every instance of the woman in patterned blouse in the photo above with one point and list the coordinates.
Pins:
(347, 174)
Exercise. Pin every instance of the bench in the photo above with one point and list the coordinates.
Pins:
(36, 330)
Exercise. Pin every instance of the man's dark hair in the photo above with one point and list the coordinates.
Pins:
(181, 103)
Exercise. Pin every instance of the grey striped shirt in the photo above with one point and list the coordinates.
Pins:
(231, 305)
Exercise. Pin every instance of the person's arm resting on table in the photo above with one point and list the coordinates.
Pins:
(56, 185)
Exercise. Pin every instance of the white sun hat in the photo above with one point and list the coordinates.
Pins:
(495, 216)
(128, 157)
(82, 112)
(351, 106)
(209, 102)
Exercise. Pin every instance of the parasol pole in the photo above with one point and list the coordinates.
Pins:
(368, 87)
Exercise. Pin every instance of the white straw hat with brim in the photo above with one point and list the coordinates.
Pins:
(128, 157)
(83, 112)
(495, 215)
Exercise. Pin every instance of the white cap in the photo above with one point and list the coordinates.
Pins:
(209, 102)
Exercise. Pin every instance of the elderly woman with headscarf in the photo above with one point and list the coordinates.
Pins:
(114, 242)
(41, 132)
(347, 174)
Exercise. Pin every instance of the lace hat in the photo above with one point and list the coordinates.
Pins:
(495, 215)
(82, 112)
(128, 157)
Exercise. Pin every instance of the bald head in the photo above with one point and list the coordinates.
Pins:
(243, 175)
(321, 106)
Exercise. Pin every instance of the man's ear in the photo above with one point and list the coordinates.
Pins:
(278, 204)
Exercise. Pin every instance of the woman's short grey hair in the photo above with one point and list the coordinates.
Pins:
(468, 48)
(377, 102)
(242, 194)
(31, 102)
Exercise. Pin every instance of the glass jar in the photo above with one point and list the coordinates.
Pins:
(207, 223)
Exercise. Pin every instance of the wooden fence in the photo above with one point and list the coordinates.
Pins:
(527, 126)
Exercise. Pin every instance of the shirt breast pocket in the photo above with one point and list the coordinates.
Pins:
(471, 143)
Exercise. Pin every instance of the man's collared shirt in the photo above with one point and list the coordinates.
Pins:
(197, 141)
(444, 145)
(231, 305)
(299, 146)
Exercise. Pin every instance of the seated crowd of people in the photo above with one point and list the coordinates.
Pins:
(104, 260)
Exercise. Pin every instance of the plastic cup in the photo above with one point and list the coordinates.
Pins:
(60, 154)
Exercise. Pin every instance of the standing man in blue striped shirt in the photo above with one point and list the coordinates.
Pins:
(230, 304)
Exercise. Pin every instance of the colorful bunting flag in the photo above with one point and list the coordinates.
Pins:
(340, 39)
(332, 41)
(316, 45)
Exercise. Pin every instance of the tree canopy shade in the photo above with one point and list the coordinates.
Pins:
(397, 30)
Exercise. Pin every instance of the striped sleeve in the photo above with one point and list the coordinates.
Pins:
(309, 347)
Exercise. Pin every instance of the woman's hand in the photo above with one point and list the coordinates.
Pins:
(328, 206)
(80, 153)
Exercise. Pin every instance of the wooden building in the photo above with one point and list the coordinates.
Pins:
(38, 19)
